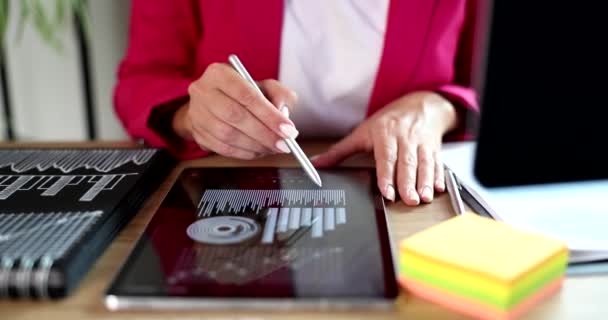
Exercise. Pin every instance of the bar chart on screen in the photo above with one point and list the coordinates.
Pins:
(233, 215)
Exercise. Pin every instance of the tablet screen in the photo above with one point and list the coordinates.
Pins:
(264, 233)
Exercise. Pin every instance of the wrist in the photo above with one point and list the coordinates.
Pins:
(180, 123)
(442, 110)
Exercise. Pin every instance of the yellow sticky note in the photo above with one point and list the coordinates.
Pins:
(484, 247)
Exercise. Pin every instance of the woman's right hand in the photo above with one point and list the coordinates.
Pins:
(226, 115)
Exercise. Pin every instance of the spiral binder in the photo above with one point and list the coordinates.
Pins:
(60, 208)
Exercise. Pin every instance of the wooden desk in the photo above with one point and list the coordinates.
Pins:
(580, 298)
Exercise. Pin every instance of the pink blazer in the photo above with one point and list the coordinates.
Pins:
(428, 46)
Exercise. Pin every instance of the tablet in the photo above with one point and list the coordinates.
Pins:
(262, 238)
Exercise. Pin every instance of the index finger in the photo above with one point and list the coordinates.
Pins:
(234, 86)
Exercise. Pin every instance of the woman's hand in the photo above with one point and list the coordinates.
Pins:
(405, 137)
(228, 116)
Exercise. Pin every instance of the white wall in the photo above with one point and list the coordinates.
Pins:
(109, 28)
(46, 86)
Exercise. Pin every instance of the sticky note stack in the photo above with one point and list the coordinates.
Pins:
(482, 267)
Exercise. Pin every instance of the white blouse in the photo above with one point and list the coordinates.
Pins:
(330, 52)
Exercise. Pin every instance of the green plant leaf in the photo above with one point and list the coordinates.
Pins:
(48, 20)
(4, 15)
(43, 25)
(60, 12)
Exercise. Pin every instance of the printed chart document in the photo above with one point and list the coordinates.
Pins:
(61, 207)
(574, 212)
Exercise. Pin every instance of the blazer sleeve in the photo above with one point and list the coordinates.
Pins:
(158, 67)
(461, 92)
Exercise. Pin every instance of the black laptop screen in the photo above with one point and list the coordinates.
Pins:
(544, 97)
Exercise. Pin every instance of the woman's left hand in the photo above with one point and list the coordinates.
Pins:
(405, 138)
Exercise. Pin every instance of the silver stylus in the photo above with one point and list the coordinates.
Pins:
(454, 191)
(291, 143)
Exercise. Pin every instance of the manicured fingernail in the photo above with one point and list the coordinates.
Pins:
(413, 196)
(390, 192)
(288, 130)
(427, 193)
(281, 145)
(285, 111)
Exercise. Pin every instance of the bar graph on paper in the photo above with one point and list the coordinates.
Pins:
(283, 211)
(66, 161)
(51, 185)
(46, 173)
